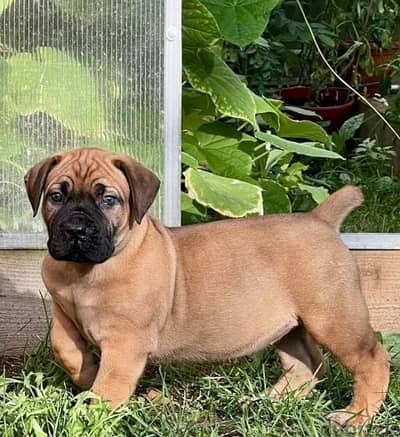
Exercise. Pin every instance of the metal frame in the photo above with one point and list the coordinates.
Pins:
(360, 241)
(172, 115)
(369, 241)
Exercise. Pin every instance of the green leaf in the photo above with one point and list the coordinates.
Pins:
(292, 174)
(339, 142)
(189, 160)
(266, 105)
(273, 158)
(220, 146)
(319, 194)
(301, 111)
(269, 111)
(200, 28)
(275, 197)
(52, 82)
(307, 149)
(4, 4)
(350, 127)
(191, 211)
(229, 197)
(286, 127)
(209, 74)
(197, 109)
(241, 21)
(289, 128)
(190, 145)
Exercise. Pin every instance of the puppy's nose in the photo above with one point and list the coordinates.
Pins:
(75, 227)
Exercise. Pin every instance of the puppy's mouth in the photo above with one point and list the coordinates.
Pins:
(79, 236)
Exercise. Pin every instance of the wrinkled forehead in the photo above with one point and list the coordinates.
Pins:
(84, 170)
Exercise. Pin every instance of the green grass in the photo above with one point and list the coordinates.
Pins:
(379, 213)
(196, 400)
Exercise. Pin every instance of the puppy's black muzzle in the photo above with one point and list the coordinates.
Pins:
(80, 234)
(78, 227)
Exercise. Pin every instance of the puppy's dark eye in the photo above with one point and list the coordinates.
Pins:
(57, 197)
(109, 200)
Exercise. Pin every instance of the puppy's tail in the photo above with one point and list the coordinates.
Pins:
(335, 208)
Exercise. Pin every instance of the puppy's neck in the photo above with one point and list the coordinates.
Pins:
(131, 239)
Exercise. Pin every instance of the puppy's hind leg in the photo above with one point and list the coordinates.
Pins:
(302, 363)
(349, 336)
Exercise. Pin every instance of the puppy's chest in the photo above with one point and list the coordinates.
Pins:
(81, 306)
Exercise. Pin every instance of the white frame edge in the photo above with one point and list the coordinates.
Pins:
(359, 241)
(369, 241)
(172, 112)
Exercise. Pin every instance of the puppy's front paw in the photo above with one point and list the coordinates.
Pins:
(348, 420)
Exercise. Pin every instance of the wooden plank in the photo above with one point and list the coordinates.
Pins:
(24, 302)
(380, 281)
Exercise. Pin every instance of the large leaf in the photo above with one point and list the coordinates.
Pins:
(220, 145)
(319, 194)
(190, 145)
(285, 126)
(275, 197)
(189, 160)
(197, 109)
(209, 74)
(241, 21)
(199, 26)
(192, 212)
(307, 148)
(229, 197)
(268, 110)
(52, 82)
(309, 130)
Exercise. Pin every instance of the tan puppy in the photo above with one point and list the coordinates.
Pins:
(136, 289)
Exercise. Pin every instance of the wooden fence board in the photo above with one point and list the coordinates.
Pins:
(380, 281)
(23, 299)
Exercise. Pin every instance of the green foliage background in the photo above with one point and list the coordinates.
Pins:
(242, 154)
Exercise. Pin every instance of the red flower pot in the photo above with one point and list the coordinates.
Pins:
(334, 104)
(369, 82)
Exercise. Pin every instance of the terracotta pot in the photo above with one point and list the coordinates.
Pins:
(334, 104)
(370, 83)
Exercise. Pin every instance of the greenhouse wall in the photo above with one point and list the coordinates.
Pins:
(77, 73)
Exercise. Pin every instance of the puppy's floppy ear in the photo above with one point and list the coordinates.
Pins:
(35, 180)
(143, 185)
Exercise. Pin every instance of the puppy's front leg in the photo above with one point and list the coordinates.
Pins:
(122, 363)
(71, 350)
